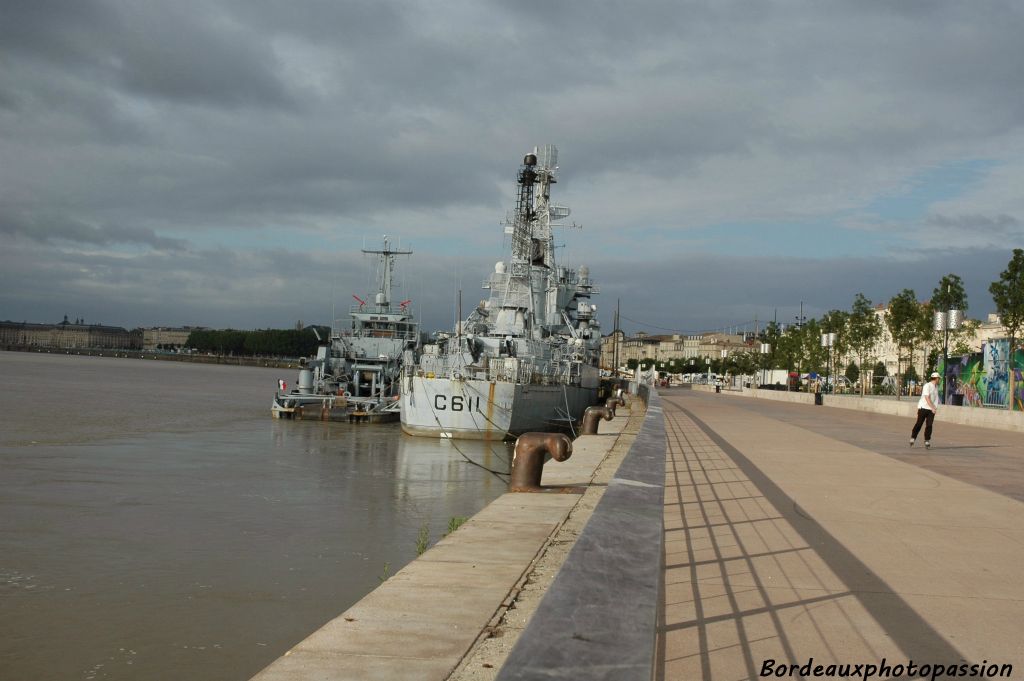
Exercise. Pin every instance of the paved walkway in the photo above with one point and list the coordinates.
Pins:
(793, 534)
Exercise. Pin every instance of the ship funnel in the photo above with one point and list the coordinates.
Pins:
(381, 300)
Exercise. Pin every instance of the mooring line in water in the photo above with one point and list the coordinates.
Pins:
(433, 413)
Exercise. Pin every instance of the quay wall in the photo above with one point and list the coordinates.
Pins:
(434, 616)
(980, 417)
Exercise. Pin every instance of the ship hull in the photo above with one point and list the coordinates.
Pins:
(472, 409)
(301, 407)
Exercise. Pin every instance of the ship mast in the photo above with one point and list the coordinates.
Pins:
(531, 225)
(385, 274)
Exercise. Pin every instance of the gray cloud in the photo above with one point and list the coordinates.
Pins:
(184, 52)
(259, 289)
(700, 292)
(992, 225)
(59, 228)
(155, 154)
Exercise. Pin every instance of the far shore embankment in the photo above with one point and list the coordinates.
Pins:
(263, 362)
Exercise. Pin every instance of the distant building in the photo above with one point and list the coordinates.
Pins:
(989, 330)
(611, 344)
(664, 349)
(714, 344)
(69, 335)
(164, 336)
(640, 347)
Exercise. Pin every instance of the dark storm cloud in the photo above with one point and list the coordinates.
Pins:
(992, 226)
(698, 293)
(148, 130)
(690, 293)
(221, 287)
(59, 228)
(182, 51)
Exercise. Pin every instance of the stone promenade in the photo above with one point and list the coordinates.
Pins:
(796, 533)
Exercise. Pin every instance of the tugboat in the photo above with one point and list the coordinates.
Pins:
(527, 357)
(355, 374)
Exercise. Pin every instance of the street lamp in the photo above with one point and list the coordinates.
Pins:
(947, 321)
(766, 348)
(828, 340)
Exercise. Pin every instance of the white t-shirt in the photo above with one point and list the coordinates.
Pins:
(930, 390)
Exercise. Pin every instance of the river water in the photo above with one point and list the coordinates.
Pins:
(156, 523)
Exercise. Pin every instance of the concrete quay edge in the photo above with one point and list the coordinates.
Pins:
(422, 622)
(980, 417)
(598, 618)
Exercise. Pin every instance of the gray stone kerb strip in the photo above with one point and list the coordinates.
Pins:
(419, 624)
(598, 619)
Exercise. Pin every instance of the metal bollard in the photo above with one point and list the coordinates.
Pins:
(528, 458)
(591, 417)
(612, 402)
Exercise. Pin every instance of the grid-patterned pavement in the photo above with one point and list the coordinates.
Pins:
(788, 545)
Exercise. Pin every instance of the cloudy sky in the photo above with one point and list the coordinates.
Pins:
(222, 162)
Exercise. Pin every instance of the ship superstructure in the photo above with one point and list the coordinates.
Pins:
(526, 358)
(356, 371)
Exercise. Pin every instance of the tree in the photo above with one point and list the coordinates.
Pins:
(852, 372)
(835, 321)
(744, 363)
(1008, 295)
(879, 372)
(863, 330)
(950, 294)
(959, 344)
(267, 342)
(812, 355)
(770, 335)
(904, 322)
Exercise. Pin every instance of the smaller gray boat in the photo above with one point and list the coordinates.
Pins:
(355, 374)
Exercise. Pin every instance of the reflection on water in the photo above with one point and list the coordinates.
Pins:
(155, 523)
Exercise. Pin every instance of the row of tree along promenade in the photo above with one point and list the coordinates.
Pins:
(858, 337)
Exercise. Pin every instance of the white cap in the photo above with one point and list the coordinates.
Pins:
(935, 374)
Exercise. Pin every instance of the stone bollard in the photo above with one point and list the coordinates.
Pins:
(591, 417)
(612, 402)
(528, 458)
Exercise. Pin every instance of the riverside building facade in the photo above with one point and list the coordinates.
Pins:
(68, 335)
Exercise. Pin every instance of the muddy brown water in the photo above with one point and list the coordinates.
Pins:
(156, 523)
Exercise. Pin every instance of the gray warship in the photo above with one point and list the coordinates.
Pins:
(355, 374)
(527, 357)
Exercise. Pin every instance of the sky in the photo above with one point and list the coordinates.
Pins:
(222, 163)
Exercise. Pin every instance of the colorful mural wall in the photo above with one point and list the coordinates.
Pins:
(983, 378)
